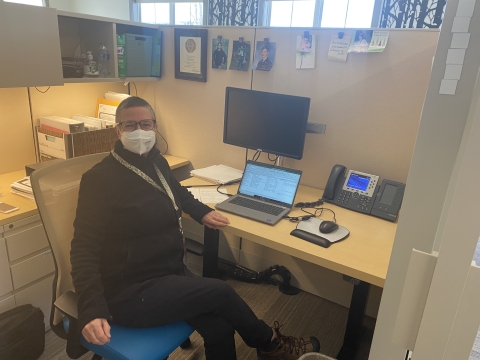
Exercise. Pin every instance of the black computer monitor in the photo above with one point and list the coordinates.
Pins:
(272, 123)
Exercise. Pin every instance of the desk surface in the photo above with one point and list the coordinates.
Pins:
(28, 207)
(364, 255)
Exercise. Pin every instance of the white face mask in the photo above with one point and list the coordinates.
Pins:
(138, 141)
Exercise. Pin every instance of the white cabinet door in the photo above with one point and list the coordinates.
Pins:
(39, 295)
(5, 278)
(26, 242)
(30, 46)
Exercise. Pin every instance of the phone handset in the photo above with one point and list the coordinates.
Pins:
(336, 176)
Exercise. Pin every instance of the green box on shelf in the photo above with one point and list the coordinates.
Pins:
(157, 54)
(122, 65)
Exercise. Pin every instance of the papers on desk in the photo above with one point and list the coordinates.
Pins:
(208, 195)
(218, 174)
(23, 187)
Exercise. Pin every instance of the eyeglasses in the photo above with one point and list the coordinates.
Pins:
(131, 125)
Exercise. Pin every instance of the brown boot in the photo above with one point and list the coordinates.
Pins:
(287, 347)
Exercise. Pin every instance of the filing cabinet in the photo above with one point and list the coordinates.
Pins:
(26, 266)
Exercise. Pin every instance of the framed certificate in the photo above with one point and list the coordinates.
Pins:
(191, 54)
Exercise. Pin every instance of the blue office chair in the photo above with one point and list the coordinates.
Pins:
(56, 192)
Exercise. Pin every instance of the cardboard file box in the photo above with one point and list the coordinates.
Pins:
(56, 145)
(53, 144)
(61, 124)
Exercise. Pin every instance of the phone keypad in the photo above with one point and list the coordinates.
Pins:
(343, 197)
(359, 202)
(364, 203)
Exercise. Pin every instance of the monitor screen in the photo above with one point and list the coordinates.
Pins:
(273, 123)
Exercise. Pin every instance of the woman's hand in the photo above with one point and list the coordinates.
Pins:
(214, 219)
(97, 332)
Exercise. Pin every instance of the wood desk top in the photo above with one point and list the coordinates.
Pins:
(27, 207)
(364, 255)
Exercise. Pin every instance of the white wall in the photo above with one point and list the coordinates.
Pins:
(116, 9)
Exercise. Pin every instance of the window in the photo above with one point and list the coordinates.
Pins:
(172, 13)
(292, 13)
(321, 13)
(347, 13)
(27, 2)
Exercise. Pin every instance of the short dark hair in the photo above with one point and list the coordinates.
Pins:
(265, 47)
(133, 101)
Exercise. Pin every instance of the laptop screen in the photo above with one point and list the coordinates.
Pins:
(269, 182)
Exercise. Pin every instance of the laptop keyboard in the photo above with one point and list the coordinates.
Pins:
(255, 205)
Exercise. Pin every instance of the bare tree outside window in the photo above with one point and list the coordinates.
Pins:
(413, 13)
(233, 13)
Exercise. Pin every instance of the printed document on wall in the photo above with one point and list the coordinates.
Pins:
(338, 50)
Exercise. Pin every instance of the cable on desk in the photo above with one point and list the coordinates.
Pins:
(225, 184)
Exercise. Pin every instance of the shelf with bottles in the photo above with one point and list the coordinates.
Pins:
(82, 33)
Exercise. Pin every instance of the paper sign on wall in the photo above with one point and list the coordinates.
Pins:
(338, 50)
(379, 41)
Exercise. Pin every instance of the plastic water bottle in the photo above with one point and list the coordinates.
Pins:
(103, 61)
(89, 66)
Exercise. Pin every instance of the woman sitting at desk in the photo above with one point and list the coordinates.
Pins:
(128, 252)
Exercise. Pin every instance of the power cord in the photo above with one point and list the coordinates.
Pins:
(274, 160)
(256, 155)
(166, 143)
(318, 211)
(225, 184)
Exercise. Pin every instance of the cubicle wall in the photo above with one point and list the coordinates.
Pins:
(16, 136)
(371, 105)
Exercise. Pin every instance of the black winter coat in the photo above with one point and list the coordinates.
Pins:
(126, 231)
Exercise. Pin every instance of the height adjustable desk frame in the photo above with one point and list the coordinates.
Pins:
(354, 330)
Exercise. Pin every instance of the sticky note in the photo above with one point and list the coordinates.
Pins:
(448, 87)
(453, 72)
(461, 24)
(455, 56)
(460, 40)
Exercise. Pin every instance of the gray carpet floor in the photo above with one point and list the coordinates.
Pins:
(301, 315)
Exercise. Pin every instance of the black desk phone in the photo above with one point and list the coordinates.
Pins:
(360, 192)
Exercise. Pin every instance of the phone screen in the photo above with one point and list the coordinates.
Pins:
(6, 208)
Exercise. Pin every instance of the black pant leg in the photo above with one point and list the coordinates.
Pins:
(218, 336)
(180, 298)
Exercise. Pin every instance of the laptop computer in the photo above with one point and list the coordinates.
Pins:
(266, 193)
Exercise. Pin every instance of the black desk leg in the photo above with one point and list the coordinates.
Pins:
(210, 253)
(354, 330)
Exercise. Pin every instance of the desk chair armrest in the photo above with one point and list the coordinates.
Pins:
(67, 304)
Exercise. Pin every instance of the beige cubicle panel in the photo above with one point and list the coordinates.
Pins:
(371, 104)
(16, 135)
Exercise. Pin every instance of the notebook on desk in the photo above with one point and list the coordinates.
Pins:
(266, 193)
